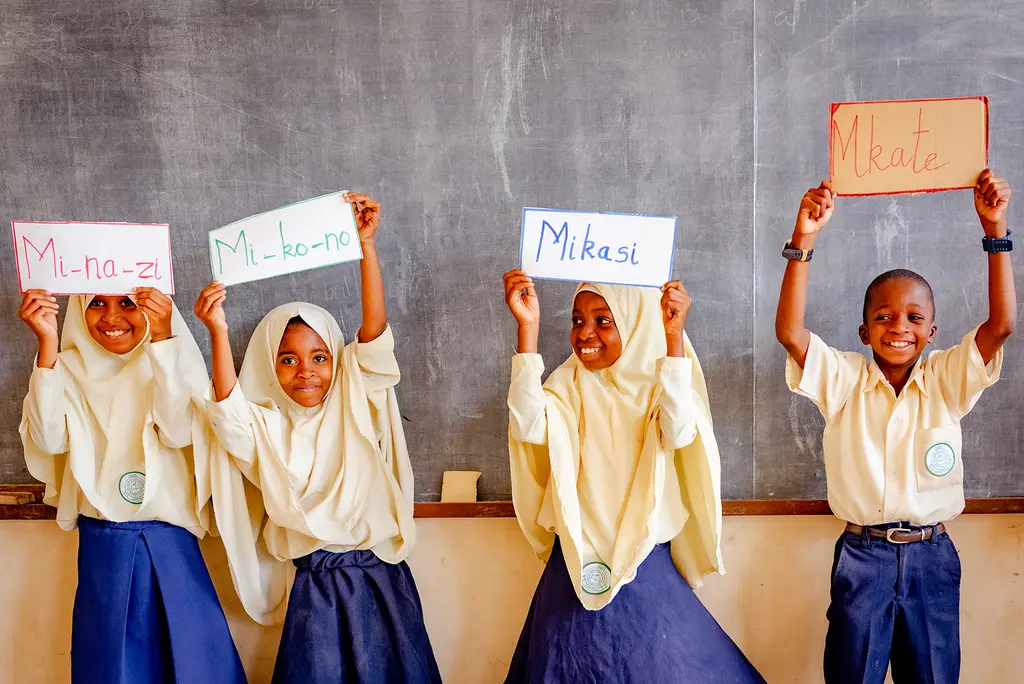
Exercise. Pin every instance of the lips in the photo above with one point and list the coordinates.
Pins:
(589, 352)
(898, 345)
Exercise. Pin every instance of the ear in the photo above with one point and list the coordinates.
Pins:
(931, 333)
(863, 331)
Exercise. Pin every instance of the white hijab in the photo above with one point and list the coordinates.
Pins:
(327, 474)
(609, 419)
(112, 432)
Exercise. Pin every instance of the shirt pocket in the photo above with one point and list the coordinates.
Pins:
(937, 458)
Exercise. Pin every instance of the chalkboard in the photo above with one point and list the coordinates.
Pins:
(456, 114)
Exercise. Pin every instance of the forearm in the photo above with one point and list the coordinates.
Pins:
(675, 345)
(527, 342)
(1002, 296)
(47, 356)
(1002, 303)
(789, 318)
(375, 313)
(526, 403)
(224, 377)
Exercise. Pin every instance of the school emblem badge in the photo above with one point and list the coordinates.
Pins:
(940, 459)
(596, 578)
(132, 487)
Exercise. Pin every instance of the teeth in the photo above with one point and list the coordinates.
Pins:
(115, 333)
(898, 345)
(588, 351)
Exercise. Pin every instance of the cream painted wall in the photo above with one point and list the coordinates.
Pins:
(476, 578)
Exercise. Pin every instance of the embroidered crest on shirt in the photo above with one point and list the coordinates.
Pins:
(596, 578)
(132, 487)
(940, 459)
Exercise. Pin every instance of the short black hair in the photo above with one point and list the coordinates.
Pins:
(896, 274)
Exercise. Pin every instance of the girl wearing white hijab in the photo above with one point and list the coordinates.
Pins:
(616, 484)
(314, 470)
(113, 425)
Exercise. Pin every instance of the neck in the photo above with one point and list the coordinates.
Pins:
(897, 376)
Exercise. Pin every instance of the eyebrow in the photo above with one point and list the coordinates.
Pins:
(286, 352)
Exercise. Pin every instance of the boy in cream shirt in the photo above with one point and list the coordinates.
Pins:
(892, 446)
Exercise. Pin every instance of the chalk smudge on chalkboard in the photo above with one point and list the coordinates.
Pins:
(531, 29)
(889, 229)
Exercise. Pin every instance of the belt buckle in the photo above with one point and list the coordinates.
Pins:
(889, 532)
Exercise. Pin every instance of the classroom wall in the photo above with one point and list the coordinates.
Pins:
(476, 578)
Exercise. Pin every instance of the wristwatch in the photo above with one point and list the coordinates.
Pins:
(794, 254)
(993, 245)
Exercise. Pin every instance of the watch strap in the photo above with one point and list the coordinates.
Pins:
(795, 254)
(996, 245)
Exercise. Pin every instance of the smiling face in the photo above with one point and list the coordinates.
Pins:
(594, 335)
(115, 323)
(899, 322)
(305, 365)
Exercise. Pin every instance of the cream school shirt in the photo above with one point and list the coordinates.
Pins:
(291, 480)
(120, 437)
(618, 460)
(889, 458)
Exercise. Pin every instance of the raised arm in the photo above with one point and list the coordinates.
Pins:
(209, 309)
(45, 409)
(815, 211)
(991, 200)
(521, 297)
(526, 403)
(375, 312)
(675, 306)
(173, 370)
(39, 311)
(675, 372)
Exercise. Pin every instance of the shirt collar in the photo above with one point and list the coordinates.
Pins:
(875, 376)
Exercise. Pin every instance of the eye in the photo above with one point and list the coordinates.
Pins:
(96, 304)
(603, 320)
(576, 320)
(127, 303)
(320, 358)
(883, 317)
(916, 317)
(287, 360)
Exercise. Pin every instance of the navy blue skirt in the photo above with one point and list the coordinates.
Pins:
(354, 619)
(655, 630)
(145, 609)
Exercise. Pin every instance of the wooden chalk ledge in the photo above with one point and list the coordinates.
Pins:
(25, 502)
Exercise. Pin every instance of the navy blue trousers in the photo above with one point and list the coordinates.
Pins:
(145, 609)
(897, 603)
(354, 619)
(655, 631)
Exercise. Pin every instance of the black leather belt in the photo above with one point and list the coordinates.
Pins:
(898, 535)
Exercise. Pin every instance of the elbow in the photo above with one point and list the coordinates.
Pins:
(368, 332)
(529, 432)
(683, 438)
(1001, 330)
(173, 441)
(784, 334)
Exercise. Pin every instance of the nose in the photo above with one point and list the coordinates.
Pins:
(304, 371)
(112, 314)
(587, 332)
